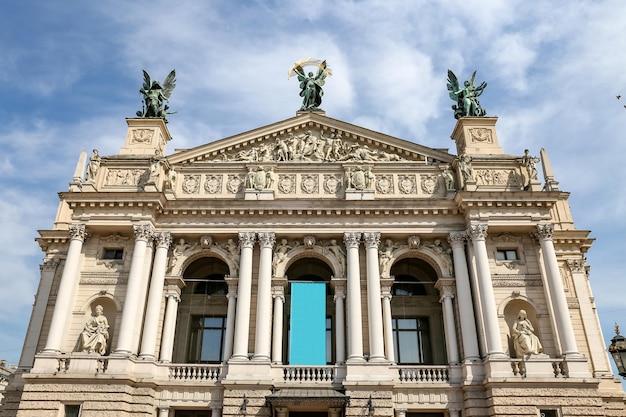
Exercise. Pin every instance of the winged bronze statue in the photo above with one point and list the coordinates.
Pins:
(310, 85)
(466, 98)
(156, 96)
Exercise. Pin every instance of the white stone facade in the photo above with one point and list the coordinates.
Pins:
(179, 268)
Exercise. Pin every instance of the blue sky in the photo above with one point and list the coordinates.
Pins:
(70, 73)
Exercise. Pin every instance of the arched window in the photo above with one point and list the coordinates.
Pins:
(310, 270)
(201, 321)
(416, 314)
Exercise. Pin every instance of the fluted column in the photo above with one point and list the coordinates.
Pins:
(65, 295)
(340, 322)
(244, 295)
(387, 321)
(264, 298)
(374, 306)
(169, 326)
(129, 325)
(464, 299)
(230, 317)
(355, 323)
(155, 297)
(277, 343)
(446, 292)
(478, 234)
(554, 283)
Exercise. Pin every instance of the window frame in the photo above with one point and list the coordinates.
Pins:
(197, 335)
(423, 339)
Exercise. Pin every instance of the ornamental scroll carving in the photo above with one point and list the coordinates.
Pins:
(287, 183)
(213, 184)
(332, 184)
(142, 136)
(309, 184)
(191, 184)
(429, 184)
(384, 184)
(481, 134)
(235, 183)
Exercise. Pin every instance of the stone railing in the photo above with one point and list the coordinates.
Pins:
(308, 373)
(195, 372)
(424, 374)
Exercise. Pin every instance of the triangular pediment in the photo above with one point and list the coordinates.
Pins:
(310, 137)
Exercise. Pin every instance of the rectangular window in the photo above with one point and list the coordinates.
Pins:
(411, 340)
(548, 413)
(72, 410)
(109, 253)
(207, 339)
(329, 341)
(506, 255)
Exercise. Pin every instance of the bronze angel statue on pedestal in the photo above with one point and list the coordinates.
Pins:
(156, 96)
(467, 97)
(311, 86)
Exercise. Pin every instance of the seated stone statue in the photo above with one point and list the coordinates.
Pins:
(96, 333)
(525, 341)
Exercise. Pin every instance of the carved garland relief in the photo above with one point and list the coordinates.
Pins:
(481, 135)
(406, 184)
(213, 184)
(142, 136)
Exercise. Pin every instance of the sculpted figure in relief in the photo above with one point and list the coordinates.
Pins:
(386, 255)
(359, 179)
(280, 254)
(95, 333)
(93, 167)
(179, 250)
(525, 341)
(155, 161)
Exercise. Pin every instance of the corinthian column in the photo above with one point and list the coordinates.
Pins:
(129, 325)
(554, 283)
(264, 298)
(446, 291)
(478, 234)
(374, 306)
(244, 295)
(355, 323)
(65, 295)
(155, 297)
(464, 299)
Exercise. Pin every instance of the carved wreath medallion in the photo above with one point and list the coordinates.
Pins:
(287, 183)
(309, 184)
(406, 184)
(332, 184)
(429, 184)
(191, 184)
(481, 135)
(234, 184)
(384, 184)
(213, 184)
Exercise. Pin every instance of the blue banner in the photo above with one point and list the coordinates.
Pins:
(307, 336)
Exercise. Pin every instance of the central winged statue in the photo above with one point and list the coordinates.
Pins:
(311, 86)
(467, 97)
(156, 96)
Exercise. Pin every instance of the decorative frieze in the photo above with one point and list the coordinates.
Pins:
(332, 184)
(287, 183)
(309, 184)
(235, 183)
(481, 135)
(407, 184)
(429, 183)
(384, 184)
(125, 177)
(142, 136)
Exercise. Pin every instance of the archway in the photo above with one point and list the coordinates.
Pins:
(308, 295)
(417, 322)
(201, 320)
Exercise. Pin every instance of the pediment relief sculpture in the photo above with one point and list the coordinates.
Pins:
(310, 146)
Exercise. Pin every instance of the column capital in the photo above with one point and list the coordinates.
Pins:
(477, 231)
(49, 264)
(173, 295)
(143, 232)
(247, 239)
(446, 287)
(457, 239)
(577, 265)
(545, 231)
(352, 239)
(372, 239)
(163, 239)
(77, 231)
(267, 239)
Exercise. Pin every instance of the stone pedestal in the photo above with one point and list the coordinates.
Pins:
(252, 194)
(145, 136)
(476, 136)
(359, 194)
